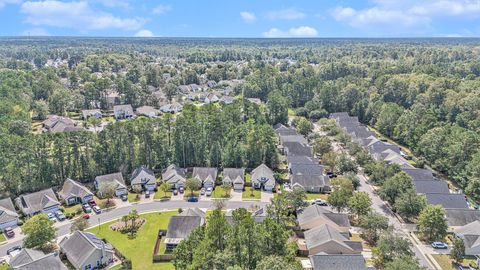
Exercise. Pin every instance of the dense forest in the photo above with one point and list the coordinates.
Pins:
(425, 94)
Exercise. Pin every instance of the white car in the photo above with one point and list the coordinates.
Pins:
(52, 217)
(209, 191)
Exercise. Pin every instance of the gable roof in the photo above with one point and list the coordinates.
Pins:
(93, 112)
(173, 171)
(115, 178)
(263, 173)
(310, 181)
(180, 227)
(147, 111)
(193, 212)
(205, 174)
(72, 188)
(472, 228)
(419, 174)
(293, 138)
(431, 186)
(126, 109)
(471, 242)
(37, 201)
(7, 210)
(447, 200)
(234, 175)
(81, 245)
(35, 259)
(301, 160)
(142, 175)
(297, 149)
(282, 130)
(306, 169)
(376, 147)
(461, 217)
(324, 261)
(326, 233)
(314, 212)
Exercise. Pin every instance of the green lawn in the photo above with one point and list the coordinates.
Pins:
(140, 249)
(444, 261)
(160, 195)
(116, 267)
(74, 209)
(218, 193)
(248, 192)
(313, 196)
(4, 266)
(2, 237)
(132, 197)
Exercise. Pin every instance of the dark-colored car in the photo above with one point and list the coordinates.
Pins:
(124, 197)
(86, 216)
(12, 249)
(92, 203)
(439, 245)
(192, 199)
(9, 232)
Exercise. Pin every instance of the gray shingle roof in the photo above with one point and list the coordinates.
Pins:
(123, 109)
(284, 131)
(81, 245)
(326, 233)
(310, 181)
(447, 200)
(205, 174)
(420, 174)
(7, 211)
(315, 212)
(292, 138)
(234, 175)
(297, 149)
(472, 228)
(431, 186)
(263, 174)
(324, 261)
(37, 201)
(461, 217)
(115, 178)
(29, 259)
(301, 160)
(142, 175)
(180, 227)
(72, 188)
(147, 111)
(306, 169)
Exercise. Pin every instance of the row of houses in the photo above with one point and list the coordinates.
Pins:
(262, 177)
(304, 170)
(325, 237)
(463, 222)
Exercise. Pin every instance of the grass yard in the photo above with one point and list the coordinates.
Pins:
(313, 196)
(444, 261)
(2, 237)
(160, 195)
(4, 266)
(248, 192)
(218, 193)
(132, 197)
(116, 267)
(74, 209)
(140, 249)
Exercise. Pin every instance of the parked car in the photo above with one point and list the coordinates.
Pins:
(320, 202)
(147, 194)
(124, 197)
(439, 245)
(192, 199)
(59, 214)
(209, 191)
(92, 203)
(175, 192)
(12, 249)
(96, 209)
(52, 217)
(86, 208)
(202, 191)
(86, 216)
(9, 232)
(181, 190)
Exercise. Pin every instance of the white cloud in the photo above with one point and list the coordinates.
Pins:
(35, 32)
(115, 3)
(447, 8)
(3, 3)
(286, 14)
(248, 17)
(162, 9)
(144, 33)
(302, 31)
(76, 15)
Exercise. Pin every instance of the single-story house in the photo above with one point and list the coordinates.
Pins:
(236, 177)
(194, 212)
(282, 130)
(174, 176)
(115, 179)
(211, 98)
(84, 250)
(41, 201)
(447, 200)
(419, 174)
(91, 113)
(470, 233)
(73, 192)
(292, 138)
(227, 99)
(327, 239)
(297, 149)
(8, 215)
(112, 98)
(255, 101)
(461, 217)
(174, 107)
(323, 261)
(311, 183)
(262, 177)
(148, 111)
(57, 124)
(293, 160)
(143, 179)
(179, 228)
(315, 215)
(306, 169)
(431, 186)
(31, 259)
(205, 175)
(123, 111)
(258, 215)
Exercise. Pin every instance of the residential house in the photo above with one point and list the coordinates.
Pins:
(419, 174)
(311, 183)
(431, 186)
(57, 124)
(211, 98)
(294, 160)
(236, 177)
(30, 259)
(327, 239)
(460, 217)
(184, 89)
(173, 107)
(282, 130)
(111, 99)
(123, 111)
(143, 179)
(323, 261)
(447, 200)
(306, 169)
(292, 138)
(258, 215)
(315, 215)
(174, 176)
(73, 192)
(179, 228)
(115, 179)
(8, 215)
(84, 250)
(256, 101)
(41, 201)
(297, 149)
(148, 111)
(470, 233)
(262, 177)
(91, 113)
(166, 76)
(195, 212)
(227, 99)
(205, 175)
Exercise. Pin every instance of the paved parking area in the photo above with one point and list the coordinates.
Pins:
(266, 196)
(235, 196)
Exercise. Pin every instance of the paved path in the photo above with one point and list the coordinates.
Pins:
(63, 228)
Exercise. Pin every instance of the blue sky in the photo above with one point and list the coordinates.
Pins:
(247, 18)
